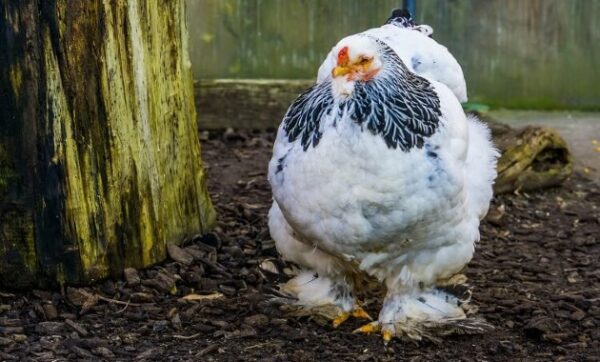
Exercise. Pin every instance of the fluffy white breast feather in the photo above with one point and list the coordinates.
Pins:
(377, 171)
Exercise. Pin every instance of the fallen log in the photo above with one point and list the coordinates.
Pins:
(531, 157)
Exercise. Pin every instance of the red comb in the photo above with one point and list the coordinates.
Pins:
(343, 56)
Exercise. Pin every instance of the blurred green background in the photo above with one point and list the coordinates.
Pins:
(542, 54)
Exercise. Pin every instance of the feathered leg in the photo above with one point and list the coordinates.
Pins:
(323, 296)
(416, 315)
(418, 305)
(324, 287)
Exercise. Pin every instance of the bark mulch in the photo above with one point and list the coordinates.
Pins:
(535, 277)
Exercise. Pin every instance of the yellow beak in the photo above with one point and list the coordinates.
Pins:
(340, 70)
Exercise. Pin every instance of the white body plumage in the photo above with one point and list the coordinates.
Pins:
(399, 215)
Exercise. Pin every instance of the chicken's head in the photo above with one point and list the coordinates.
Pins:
(357, 59)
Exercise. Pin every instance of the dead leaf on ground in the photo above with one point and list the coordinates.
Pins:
(199, 297)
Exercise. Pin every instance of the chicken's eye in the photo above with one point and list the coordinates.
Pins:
(364, 60)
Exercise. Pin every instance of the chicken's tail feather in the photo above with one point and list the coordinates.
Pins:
(401, 18)
(480, 170)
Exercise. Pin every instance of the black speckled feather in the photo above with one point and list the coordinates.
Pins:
(399, 105)
(304, 116)
(401, 18)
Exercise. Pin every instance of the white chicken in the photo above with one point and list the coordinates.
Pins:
(376, 171)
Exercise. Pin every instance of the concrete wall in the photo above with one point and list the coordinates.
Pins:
(515, 53)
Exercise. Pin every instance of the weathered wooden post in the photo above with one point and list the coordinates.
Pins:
(99, 156)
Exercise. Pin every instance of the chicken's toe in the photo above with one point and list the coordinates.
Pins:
(358, 312)
(369, 328)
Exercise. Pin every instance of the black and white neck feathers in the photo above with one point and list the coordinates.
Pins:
(396, 104)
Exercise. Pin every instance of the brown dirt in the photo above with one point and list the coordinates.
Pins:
(535, 277)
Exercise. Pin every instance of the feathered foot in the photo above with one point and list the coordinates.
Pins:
(312, 295)
(425, 316)
(428, 330)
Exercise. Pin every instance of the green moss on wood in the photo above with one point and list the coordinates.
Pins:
(16, 79)
(7, 172)
(119, 171)
(17, 244)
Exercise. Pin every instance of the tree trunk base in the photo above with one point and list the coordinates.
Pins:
(99, 154)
